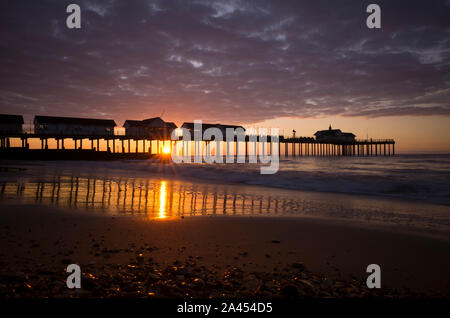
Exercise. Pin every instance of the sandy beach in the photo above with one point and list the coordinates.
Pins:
(211, 256)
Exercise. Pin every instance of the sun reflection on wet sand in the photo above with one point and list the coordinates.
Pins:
(162, 200)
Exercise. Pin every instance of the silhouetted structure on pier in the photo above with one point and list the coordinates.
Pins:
(11, 123)
(223, 128)
(334, 135)
(73, 126)
(155, 128)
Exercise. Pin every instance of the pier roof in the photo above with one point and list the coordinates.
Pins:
(133, 123)
(171, 125)
(151, 120)
(155, 122)
(11, 119)
(74, 121)
(206, 126)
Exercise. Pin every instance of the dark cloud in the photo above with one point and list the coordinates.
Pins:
(234, 61)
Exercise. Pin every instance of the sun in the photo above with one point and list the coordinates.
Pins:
(166, 150)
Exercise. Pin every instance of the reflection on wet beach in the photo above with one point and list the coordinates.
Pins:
(168, 198)
(147, 197)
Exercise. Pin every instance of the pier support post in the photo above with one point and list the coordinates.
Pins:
(208, 147)
(279, 148)
(227, 149)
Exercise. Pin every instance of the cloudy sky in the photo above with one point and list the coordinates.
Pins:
(225, 61)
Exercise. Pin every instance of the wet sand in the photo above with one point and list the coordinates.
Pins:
(211, 256)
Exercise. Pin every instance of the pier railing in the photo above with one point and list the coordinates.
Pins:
(285, 146)
(375, 140)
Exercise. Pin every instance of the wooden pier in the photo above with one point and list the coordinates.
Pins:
(285, 147)
(311, 147)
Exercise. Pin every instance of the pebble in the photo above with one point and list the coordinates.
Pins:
(299, 266)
